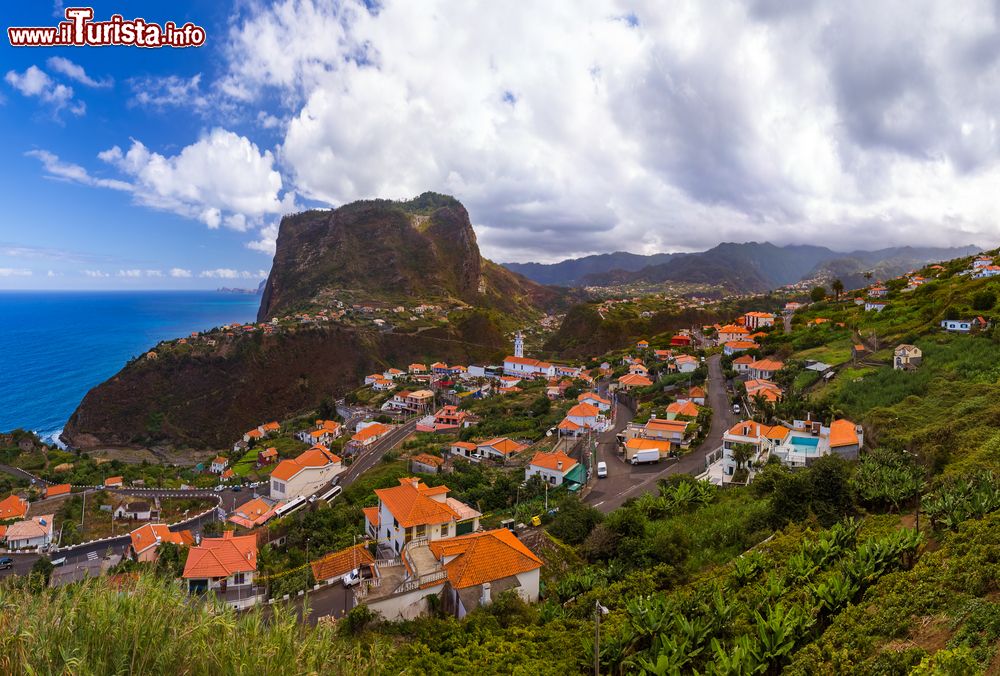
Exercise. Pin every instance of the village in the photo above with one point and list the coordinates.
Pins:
(719, 402)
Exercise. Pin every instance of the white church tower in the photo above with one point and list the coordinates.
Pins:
(518, 344)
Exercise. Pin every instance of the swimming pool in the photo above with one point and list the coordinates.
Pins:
(806, 445)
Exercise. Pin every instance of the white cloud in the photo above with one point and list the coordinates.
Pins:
(268, 240)
(135, 273)
(76, 72)
(229, 273)
(169, 92)
(15, 272)
(221, 179)
(97, 274)
(66, 171)
(676, 128)
(180, 272)
(34, 82)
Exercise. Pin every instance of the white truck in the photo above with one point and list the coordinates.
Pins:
(646, 456)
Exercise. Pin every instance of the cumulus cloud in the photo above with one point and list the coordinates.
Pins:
(96, 274)
(268, 240)
(76, 72)
(136, 273)
(35, 82)
(221, 179)
(180, 272)
(66, 171)
(641, 126)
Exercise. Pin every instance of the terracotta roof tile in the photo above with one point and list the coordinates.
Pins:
(484, 557)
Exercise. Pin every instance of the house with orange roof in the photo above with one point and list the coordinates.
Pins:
(334, 566)
(742, 363)
(638, 368)
(305, 474)
(685, 363)
(680, 340)
(756, 320)
(764, 369)
(30, 533)
(731, 332)
(636, 444)
(13, 507)
(556, 469)
(631, 381)
(225, 566)
(323, 433)
(586, 416)
(500, 448)
(144, 541)
(268, 456)
(452, 416)
(418, 401)
(687, 409)
(735, 346)
(673, 431)
(392, 374)
(219, 465)
(368, 434)
(642, 345)
(425, 463)
(417, 369)
(662, 355)
(255, 513)
(525, 367)
(380, 384)
(878, 291)
(414, 511)
(481, 565)
(56, 490)
(114, 482)
(764, 388)
(603, 405)
(697, 395)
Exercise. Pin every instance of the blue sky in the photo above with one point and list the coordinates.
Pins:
(566, 129)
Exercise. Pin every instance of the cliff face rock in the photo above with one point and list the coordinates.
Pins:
(209, 401)
(379, 249)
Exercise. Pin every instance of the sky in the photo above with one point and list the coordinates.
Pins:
(566, 128)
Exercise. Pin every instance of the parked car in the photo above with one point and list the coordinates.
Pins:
(602, 470)
(736, 409)
(357, 575)
(6, 563)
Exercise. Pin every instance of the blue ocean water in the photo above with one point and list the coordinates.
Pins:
(55, 346)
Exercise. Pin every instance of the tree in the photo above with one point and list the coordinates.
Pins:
(838, 288)
(574, 520)
(984, 300)
(743, 453)
(817, 294)
(541, 406)
(868, 274)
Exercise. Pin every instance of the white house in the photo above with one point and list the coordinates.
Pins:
(218, 465)
(685, 363)
(756, 320)
(988, 271)
(30, 533)
(414, 511)
(603, 405)
(875, 306)
(519, 365)
(554, 468)
(960, 325)
(305, 474)
(226, 566)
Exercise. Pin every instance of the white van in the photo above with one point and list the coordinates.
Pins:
(736, 409)
(602, 470)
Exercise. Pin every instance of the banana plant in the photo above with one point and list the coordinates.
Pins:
(746, 568)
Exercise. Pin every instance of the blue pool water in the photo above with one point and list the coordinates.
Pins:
(805, 444)
(55, 346)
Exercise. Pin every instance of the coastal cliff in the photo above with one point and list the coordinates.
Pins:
(204, 392)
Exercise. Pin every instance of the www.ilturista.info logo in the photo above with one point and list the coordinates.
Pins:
(80, 30)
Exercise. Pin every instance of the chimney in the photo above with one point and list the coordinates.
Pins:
(415, 482)
(559, 464)
(484, 599)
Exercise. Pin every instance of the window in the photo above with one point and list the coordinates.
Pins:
(419, 531)
(239, 578)
(444, 530)
(277, 486)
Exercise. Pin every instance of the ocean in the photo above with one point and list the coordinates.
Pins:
(55, 346)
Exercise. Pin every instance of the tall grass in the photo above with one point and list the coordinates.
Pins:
(155, 628)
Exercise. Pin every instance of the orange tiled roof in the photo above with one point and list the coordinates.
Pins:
(58, 489)
(271, 427)
(30, 528)
(370, 431)
(635, 379)
(371, 514)
(593, 396)
(567, 424)
(583, 410)
(484, 557)
(220, 461)
(114, 481)
(336, 564)
(222, 557)
(502, 445)
(745, 359)
(467, 445)
(767, 365)
(410, 503)
(843, 433)
(688, 408)
(527, 362)
(666, 425)
(13, 507)
(640, 444)
(696, 391)
(552, 460)
(428, 459)
(317, 456)
(146, 536)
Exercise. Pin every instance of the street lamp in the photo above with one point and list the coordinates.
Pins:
(598, 611)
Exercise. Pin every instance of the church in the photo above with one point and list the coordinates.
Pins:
(519, 365)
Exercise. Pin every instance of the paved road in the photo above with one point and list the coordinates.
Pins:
(627, 481)
(372, 455)
(22, 564)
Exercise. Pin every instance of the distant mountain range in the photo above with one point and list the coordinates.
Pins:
(747, 267)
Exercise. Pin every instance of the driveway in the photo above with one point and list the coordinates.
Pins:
(627, 481)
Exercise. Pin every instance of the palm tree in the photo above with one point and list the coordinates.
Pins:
(838, 288)
(868, 275)
(743, 453)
